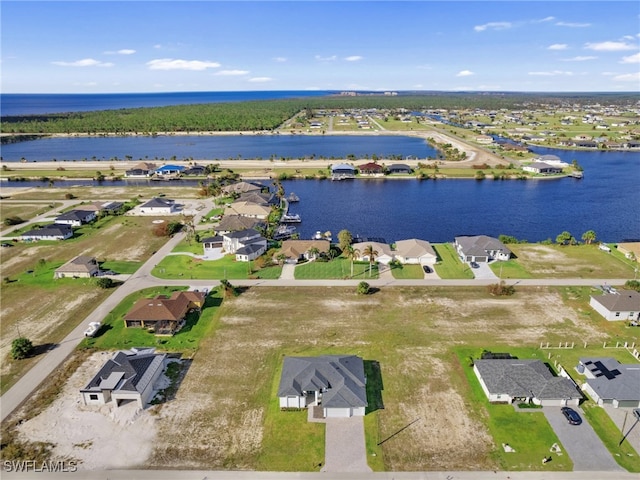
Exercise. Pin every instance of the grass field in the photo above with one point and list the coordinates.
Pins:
(186, 266)
(338, 268)
(449, 264)
(407, 272)
(24, 210)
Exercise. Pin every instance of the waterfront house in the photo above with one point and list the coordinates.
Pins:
(335, 383)
(164, 315)
(234, 223)
(527, 381)
(384, 256)
(81, 266)
(608, 382)
(158, 206)
(194, 170)
(246, 245)
(141, 170)
(542, 168)
(298, 250)
(268, 199)
(630, 250)
(248, 209)
(371, 169)
(242, 187)
(342, 170)
(76, 218)
(399, 169)
(168, 170)
(128, 376)
(622, 305)
(481, 249)
(48, 232)
(414, 251)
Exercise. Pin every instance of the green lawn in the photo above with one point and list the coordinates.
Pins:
(449, 264)
(407, 272)
(186, 266)
(122, 267)
(338, 268)
(114, 335)
(509, 269)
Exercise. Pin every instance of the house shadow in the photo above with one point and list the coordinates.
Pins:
(374, 386)
(176, 371)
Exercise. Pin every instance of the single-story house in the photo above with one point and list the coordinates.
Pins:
(81, 266)
(245, 244)
(158, 206)
(296, 250)
(76, 218)
(610, 382)
(399, 168)
(384, 256)
(169, 170)
(259, 198)
(630, 250)
(164, 315)
(211, 244)
(127, 376)
(343, 170)
(623, 305)
(542, 168)
(100, 207)
(514, 380)
(195, 170)
(248, 209)
(48, 232)
(235, 223)
(141, 170)
(415, 251)
(481, 248)
(242, 187)
(371, 168)
(336, 383)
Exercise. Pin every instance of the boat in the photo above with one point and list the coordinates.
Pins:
(284, 231)
(290, 219)
(293, 198)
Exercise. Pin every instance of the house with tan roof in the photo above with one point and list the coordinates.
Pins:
(384, 256)
(81, 266)
(242, 187)
(141, 170)
(248, 209)
(415, 251)
(623, 305)
(164, 315)
(297, 250)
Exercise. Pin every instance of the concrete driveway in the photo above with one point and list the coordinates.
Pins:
(580, 442)
(483, 272)
(345, 449)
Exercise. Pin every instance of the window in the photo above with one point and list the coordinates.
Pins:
(617, 314)
(93, 396)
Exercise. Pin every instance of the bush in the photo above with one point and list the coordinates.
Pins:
(501, 289)
(21, 348)
(14, 220)
(632, 285)
(105, 282)
(363, 288)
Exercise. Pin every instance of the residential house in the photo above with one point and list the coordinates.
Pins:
(481, 248)
(399, 169)
(141, 170)
(268, 199)
(623, 305)
(76, 218)
(630, 250)
(169, 170)
(297, 250)
(542, 168)
(242, 187)
(158, 206)
(128, 376)
(608, 382)
(100, 207)
(164, 315)
(384, 256)
(211, 245)
(514, 380)
(371, 169)
(552, 160)
(48, 232)
(245, 245)
(234, 223)
(194, 170)
(484, 139)
(248, 209)
(415, 251)
(81, 266)
(336, 383)
(342, 170)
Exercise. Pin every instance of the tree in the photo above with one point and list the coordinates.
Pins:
(363, 288)
(21, 348)
(371, 254)
(589, 237)
(104, 282)
(344, 239)
(564, 238)
(314, 252)
(351, 253)
(228, 289)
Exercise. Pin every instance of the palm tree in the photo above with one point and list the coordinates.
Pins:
(589, 237)
(314, 252)
(351, 253)
(371, 253)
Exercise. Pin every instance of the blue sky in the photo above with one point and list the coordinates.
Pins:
(166, 46)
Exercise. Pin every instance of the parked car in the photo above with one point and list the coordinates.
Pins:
(474, 265)
(92, 329)
(6, 244)
(571, 415)
(103, 273)
(427, 269)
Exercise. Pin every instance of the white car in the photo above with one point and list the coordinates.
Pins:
(92, 329)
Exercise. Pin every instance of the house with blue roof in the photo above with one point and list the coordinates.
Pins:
(169, 170)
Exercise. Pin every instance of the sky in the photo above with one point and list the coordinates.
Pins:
(170, 46)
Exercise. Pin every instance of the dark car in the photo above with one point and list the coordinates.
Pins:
(426, 269)
(571, 415)
(474, 265)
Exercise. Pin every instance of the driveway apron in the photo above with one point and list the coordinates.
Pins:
(345, 449)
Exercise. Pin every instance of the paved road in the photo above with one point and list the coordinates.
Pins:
(581, 442)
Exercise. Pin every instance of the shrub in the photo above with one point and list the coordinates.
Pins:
(501, 289)
(632, 285)
(363, 288)
(105, 282)
(69, 196)
(21, 348)
(13, 220)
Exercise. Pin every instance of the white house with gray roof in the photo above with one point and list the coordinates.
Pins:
(481, 249)
(624, 305)
(610, 382)
(337, 383)
(245, 244)
(128, 375)
(527, 380)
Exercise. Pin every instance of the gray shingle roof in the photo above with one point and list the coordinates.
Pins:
(623, 301)
(613, 380)
(480, 245)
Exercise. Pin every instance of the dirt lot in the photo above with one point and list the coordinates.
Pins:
(217, 418)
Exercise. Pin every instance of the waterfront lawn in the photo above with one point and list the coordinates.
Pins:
(186, 266)
(338, 268)
(449, 265)
(113, 334)
(509, 269)
(407, 272)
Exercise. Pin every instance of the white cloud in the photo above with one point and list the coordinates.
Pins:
(260, 79)
(465, 73)
(232, 73)
(545, 19)
(553, 73)
(332, 58)
(609, 46)
(179, 64)
(572, 24)
(579, 58)
(123, 51)
(628, 77)
(85, 62)
(280, 59)
(493, 26)
(558, 46)
(635, 58)
(353, 58)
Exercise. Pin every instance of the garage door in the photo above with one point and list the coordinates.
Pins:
(337, 412)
